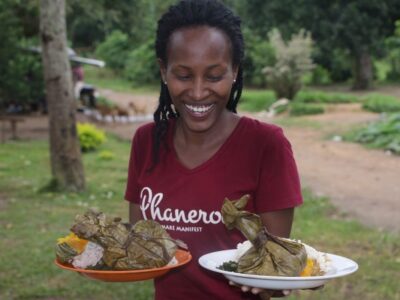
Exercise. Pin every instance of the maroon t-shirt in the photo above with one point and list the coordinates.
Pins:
(256, 159)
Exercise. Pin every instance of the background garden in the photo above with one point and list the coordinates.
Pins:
(326, 71)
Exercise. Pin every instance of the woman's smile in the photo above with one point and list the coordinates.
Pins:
(199, 110)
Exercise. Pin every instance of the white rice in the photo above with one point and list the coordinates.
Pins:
(241, 249)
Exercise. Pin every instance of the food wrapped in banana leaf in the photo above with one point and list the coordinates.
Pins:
(125, 247)
(269, 254)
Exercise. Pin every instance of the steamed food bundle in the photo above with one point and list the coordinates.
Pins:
(264, 253)
(100, 242)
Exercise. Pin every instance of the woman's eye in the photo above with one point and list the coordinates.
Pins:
(183, 77)
(214, 78)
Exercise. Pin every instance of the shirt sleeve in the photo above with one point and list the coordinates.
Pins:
(279, 183)
(132, 186)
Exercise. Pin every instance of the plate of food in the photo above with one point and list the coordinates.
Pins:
(271, 262)
(338, 267)
(106, 249)
(182, 257)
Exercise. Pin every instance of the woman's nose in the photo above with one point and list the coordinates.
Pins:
(199, 89)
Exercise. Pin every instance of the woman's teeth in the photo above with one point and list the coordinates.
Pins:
(199, 108)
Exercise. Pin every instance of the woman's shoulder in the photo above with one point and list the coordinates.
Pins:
(260, 128)
(144, 132)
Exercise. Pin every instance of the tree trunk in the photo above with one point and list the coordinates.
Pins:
(362, 71)
(66, 161)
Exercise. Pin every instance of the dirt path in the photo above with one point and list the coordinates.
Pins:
(363, 184)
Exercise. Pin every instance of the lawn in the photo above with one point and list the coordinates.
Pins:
(32, 217)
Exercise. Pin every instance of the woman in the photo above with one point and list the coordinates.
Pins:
(199, 151)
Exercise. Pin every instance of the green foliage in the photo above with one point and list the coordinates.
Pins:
(141, 66)
(293, 60)
(393, 57)
(106, 155)
(308, 96)
(90, 137)
(300, 109)
(384, 134)
(114, 50)
(21, 79)
(381, 103)
(259, 53)
(320, 76)
(256, 100)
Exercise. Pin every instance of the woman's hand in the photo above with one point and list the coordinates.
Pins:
(263, 293)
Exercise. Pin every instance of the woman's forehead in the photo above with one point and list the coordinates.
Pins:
(193, 45)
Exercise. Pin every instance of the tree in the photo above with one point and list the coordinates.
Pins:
(66, 162)
(358, 27)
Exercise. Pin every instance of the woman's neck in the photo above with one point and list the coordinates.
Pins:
(217, 134)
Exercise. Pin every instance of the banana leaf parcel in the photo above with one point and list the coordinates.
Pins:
(141, 246)
(269, 255)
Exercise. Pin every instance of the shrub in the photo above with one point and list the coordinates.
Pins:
(299, 109)
(106, 155)
(293, 60)
(382, 103)
(384, 134)
(320, 76)
(323, 97)
(90, 137)
(114, 50)
(259, 53)
(141, 66)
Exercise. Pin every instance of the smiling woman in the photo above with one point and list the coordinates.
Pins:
(199, 150)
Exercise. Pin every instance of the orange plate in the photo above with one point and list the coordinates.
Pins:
(183, 257)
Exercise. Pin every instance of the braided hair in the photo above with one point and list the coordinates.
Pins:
(190, 13)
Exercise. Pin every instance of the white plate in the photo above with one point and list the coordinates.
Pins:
(341, 267)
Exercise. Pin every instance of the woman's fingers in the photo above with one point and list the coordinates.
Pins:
(264, 294)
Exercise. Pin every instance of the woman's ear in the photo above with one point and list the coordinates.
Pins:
(163, 69)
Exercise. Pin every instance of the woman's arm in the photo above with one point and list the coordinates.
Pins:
(278, 222)
(134, 213)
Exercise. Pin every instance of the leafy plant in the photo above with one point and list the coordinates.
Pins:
(106, 155)
(299, 109)
(382, 103)
(141, 66)
(384, 134)
(259, 53)
(90, 137)
(293, 60)
(114, 50)
(323, 97)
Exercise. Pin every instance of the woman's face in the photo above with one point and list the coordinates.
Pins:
(199, 75)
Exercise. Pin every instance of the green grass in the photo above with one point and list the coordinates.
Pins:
(31, 221)
(315, 96)
(256, 100)
(300, 109)
(381, 103)
(107, 79)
